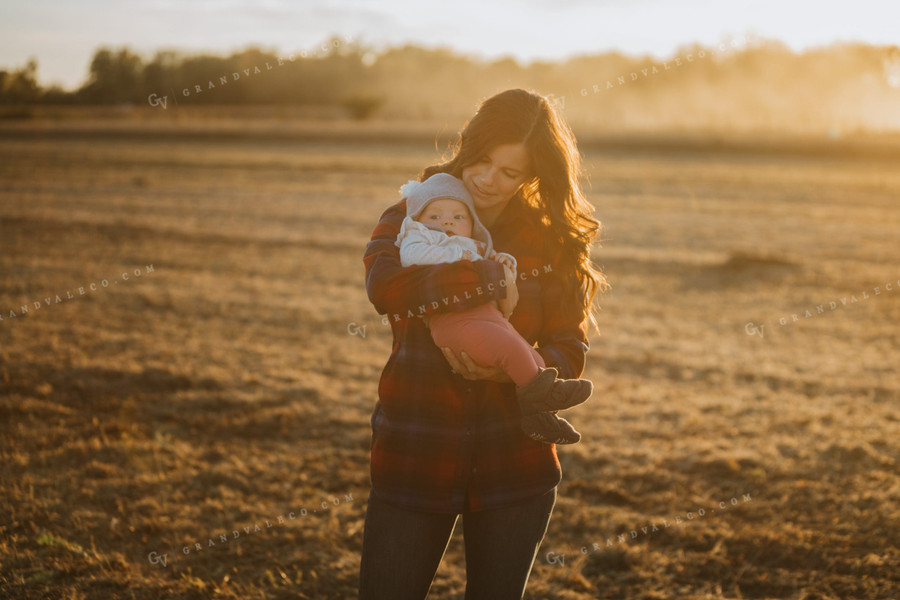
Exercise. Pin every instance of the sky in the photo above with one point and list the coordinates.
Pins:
(62, 35)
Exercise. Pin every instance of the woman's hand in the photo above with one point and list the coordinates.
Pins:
(467, 368)
(508, 304)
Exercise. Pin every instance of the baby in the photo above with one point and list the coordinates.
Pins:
(441, 226)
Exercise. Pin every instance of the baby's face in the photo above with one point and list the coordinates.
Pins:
(450, 215)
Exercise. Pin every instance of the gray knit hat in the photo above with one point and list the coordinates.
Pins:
(419, 194)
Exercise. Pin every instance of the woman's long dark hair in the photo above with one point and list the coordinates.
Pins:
(517, 116)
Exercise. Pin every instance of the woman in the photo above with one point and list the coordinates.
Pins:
(445, 432)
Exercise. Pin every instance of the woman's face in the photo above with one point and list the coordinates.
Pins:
(496, 177)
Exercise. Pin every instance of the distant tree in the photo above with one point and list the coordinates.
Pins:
(20, 87)
(161, 73)
(57, 95)
(114, 77)
(362, 106)
(205, 70)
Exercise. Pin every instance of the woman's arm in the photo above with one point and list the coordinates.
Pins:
(395, 289)
(563, 341)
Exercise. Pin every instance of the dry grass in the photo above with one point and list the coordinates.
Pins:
(222, 389)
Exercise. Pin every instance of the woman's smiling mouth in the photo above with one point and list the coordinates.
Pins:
(480, 191)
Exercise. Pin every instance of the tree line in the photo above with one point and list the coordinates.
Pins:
(758, 84)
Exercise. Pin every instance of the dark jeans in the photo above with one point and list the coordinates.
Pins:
(402, 549)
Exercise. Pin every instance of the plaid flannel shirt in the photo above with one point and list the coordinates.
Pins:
(441, 443)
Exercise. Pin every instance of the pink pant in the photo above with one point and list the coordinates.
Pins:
(488, 339)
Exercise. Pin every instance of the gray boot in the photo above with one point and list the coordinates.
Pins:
(540, 398)
(546, 393)
(547, 427)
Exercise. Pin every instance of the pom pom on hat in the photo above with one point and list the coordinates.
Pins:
(407, 189)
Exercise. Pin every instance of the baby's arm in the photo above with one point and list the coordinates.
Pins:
(419, 251)
(420, 245)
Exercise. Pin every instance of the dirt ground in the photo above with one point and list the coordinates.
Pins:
(200, 428)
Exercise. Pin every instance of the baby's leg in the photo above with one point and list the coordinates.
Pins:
(490, 342)
(505, 348)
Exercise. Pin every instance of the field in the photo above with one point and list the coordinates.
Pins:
(201, 428)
